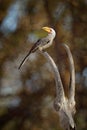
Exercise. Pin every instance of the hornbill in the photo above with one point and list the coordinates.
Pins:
(42, 43)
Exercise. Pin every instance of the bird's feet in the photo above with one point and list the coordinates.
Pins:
(41, 49)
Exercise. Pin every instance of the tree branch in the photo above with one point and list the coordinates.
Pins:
(72, 75)
(59, 86)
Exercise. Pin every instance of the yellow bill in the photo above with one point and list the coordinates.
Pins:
(47, 29)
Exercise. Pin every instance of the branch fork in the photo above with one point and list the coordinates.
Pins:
(63, 105)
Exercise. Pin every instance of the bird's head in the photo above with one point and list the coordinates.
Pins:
(50, 31)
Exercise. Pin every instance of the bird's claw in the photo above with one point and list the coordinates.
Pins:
(41, 49)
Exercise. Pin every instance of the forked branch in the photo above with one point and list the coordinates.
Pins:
(64, 106)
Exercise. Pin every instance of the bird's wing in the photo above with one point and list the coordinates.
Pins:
(35, 46)
(45, 41)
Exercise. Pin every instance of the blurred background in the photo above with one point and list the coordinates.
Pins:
(27, 95)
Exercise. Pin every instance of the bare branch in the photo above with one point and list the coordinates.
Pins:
(72, 74)
(61, 104)
(59, 86)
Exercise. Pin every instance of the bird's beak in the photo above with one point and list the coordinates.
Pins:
(47, 29)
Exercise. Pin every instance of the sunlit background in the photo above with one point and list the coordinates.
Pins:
(27, 95)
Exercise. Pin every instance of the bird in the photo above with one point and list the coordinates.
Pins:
(64, 106)
(42, 43)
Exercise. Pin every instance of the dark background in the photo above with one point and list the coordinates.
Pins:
(27, 95)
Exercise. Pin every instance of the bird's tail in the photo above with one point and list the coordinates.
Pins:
(25, 58)
(23, 61)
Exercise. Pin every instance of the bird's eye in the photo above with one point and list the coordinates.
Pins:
(50, 31)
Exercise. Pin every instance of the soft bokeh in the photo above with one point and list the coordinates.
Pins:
(27, 95)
